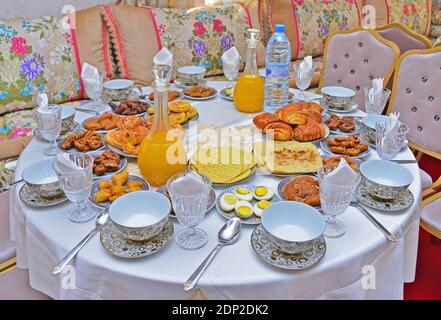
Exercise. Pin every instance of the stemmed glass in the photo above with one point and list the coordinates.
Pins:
(189, 193)
(389, 144)
(334, 199)
(94, 90)
(231, 70)
(303, 81)
(49, 125)
(372, 107)
(75, 175)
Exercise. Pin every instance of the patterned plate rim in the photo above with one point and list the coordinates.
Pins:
(285, 181)
(325, 147)
(121, 153)
(204, 98)
(250, 187)
(96, 117)
(224, 95)
(363, 201)
(352, 108)
(106, 204)
(75, 150)
(356, 131)
(167, 242)
(320, 257)
(60, 200)
(73, 128)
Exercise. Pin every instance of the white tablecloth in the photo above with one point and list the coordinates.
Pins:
(44, 236)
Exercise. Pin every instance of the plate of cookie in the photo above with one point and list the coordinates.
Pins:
(180, 112)
(107, 163)
(352, 146)
(200, 93)
(101, 124)
(84, 141)
(173, 95)
(343, 125)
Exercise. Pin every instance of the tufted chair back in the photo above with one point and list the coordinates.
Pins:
(353, 58)
(416, 95)
(403, 37)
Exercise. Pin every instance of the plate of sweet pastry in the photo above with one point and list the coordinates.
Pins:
(101, 124)
(129, 108)
(180, 112)
(342, 125)
(301, 188)
(84, 141)
(107, 163)
(352, 146)
(300, 121)
(200, 93)
(171, 94)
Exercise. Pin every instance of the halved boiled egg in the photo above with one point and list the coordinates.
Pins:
(260, 206)
(228, 202)
(243, 194)
(263, 193)
(244, 209)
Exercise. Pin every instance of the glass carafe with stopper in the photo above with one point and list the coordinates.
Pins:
(162, 152)
(249, 90)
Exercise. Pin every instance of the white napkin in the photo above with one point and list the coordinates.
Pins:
(42, 102)
(231, 56)
(305, 67)
(163, 57)
(342, 175)
(392, 128)
(65, 164)
(375, 94)
(90, 74)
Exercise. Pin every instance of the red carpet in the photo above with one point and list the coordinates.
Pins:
(427, 283)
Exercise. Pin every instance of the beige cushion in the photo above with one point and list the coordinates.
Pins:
(432, 214)
(7, 247)
(426, 179)
(12, 148)
(308, 23)
(195, 37)
(15, 285)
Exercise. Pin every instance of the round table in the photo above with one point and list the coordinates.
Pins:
(361, 264)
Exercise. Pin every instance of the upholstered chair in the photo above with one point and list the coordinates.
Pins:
(7, 247)
(353, 58)
(416, 96)
(404, 37)
(14, 284)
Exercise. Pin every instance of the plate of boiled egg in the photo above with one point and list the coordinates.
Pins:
(246, 202)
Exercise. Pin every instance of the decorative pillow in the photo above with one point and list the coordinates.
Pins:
(161, 3)
(195, 37)
(37, 55)
(435, 31)
(93, 38)
(308, 23)
(415, 14)
(16, 124)
(436, 16)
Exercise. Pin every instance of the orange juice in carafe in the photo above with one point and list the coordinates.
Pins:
(162, 153)
(249, 91)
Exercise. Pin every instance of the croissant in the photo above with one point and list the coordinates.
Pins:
(292, 117)
(279, 131)
(314, 116)
(261, 120)
(313, 107)
(309, 132)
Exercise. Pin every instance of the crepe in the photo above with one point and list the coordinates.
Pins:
(287, 157)
(223, 164)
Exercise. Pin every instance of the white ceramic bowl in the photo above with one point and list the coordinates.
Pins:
(118, 90)
(67, 118)
(189, 76)
(42, 179)
(385, 179)
(140, 215)
(118, 84)
(292, 226)
(338, 97)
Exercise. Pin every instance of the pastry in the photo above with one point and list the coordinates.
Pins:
(129, 107)
(83, 141)
(303, 189)
(347, 145)
(333, 162)
(179, 106)
(345, 124)
(107, 121)
(120, 185)
(261, 120)
(292, 117)
(309, 132)
(107, 161)
(171, 95)
(279, 131)
(199, 92)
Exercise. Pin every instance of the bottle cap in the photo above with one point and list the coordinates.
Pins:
(279, 28)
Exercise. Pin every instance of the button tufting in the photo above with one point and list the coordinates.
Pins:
(338, 81)
(360, 44)
(335, 66)
(431, 98)
(352, 71)
(414, 109)
(420, 128)
(347, 55)
(424, 79)
(408, 90)
(436, 118)
(366, 61)
(371, 77)
(357, 88)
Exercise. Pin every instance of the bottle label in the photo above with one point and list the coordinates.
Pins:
(277, 72)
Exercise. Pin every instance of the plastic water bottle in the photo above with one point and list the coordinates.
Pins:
(278, 58)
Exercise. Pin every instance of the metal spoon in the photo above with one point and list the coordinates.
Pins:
(11, 185)
(101, 220)
(389, 236)
(227, 235)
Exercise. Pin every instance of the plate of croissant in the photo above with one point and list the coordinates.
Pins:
(84, 141)
(301, 188)
(343, 125)
(352, 146)
(300, 121)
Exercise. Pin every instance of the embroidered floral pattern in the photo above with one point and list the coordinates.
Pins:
(201, 36)
(36, 55)
(412, 13)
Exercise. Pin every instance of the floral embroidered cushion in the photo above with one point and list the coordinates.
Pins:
(415, 14)
(309, 23)
(37, 55)
(436, 16)
(195, 37)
